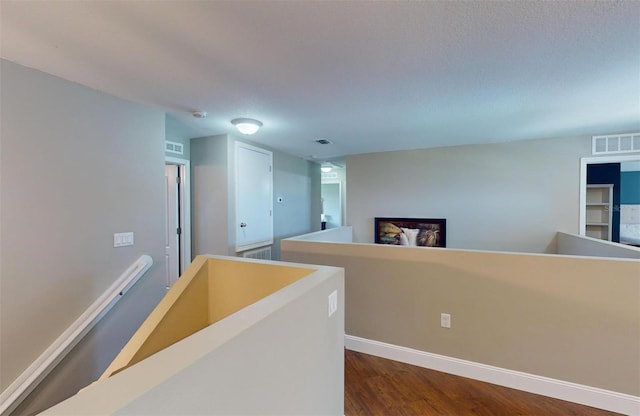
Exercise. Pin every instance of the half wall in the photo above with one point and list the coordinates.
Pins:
(567, 318)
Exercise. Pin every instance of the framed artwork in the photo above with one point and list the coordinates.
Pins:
(416, 232)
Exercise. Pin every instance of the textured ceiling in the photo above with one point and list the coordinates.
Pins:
(370, 76)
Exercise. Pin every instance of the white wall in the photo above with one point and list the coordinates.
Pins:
(77, 165)
(505, 196)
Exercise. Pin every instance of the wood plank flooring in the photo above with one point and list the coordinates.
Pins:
(376, 386)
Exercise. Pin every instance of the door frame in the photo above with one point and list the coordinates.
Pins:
(340, 207)
(184, 166)
(237, 203)
(584, 162)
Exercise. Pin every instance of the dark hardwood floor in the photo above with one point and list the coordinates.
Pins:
(376, 386)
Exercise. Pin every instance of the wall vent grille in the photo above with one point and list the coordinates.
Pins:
(263, 253)
(616, 143)
(173, 147)
(329, 175)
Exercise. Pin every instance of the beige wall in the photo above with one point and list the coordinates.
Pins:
(505, 196)
(77, 166)
(569, 318)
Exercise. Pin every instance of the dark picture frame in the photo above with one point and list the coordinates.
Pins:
(420, 232)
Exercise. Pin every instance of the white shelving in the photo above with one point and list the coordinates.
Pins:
(599, 211)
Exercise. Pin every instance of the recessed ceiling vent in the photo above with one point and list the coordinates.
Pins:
(615, 143)
(173, 147)
(324, 141)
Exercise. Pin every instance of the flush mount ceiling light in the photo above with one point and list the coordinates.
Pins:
(326, 168)
(199, 114)
(246, 125)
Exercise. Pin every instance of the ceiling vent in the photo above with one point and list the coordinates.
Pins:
(324, 141)
(615, 143)
(173, 147)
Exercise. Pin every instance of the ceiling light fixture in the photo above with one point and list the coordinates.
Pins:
(246, 125)
(199, 114)
(325, 168)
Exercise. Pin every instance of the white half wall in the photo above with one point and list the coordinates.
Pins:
(580, 245)
(282, 355)
(334, 235)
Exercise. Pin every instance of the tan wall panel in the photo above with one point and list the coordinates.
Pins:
(209, 290)
(233, 285)
(568, 318)
(187, 315)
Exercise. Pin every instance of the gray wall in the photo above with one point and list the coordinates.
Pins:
(177, 132)
(297, 181)
(76, 166)
(505, 196)
(210, 195)
(213, 195)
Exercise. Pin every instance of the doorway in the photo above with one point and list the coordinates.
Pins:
(177, 218)
(332, 204)
(622, 203)
(333, 195)
(254, 197)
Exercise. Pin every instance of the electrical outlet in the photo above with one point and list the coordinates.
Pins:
(333, 302)
(445, 320)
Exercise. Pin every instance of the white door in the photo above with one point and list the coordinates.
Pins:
(172, 253)
(254, 197)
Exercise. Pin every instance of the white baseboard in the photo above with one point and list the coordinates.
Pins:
(577, 393)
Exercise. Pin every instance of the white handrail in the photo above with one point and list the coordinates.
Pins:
(13, 395)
